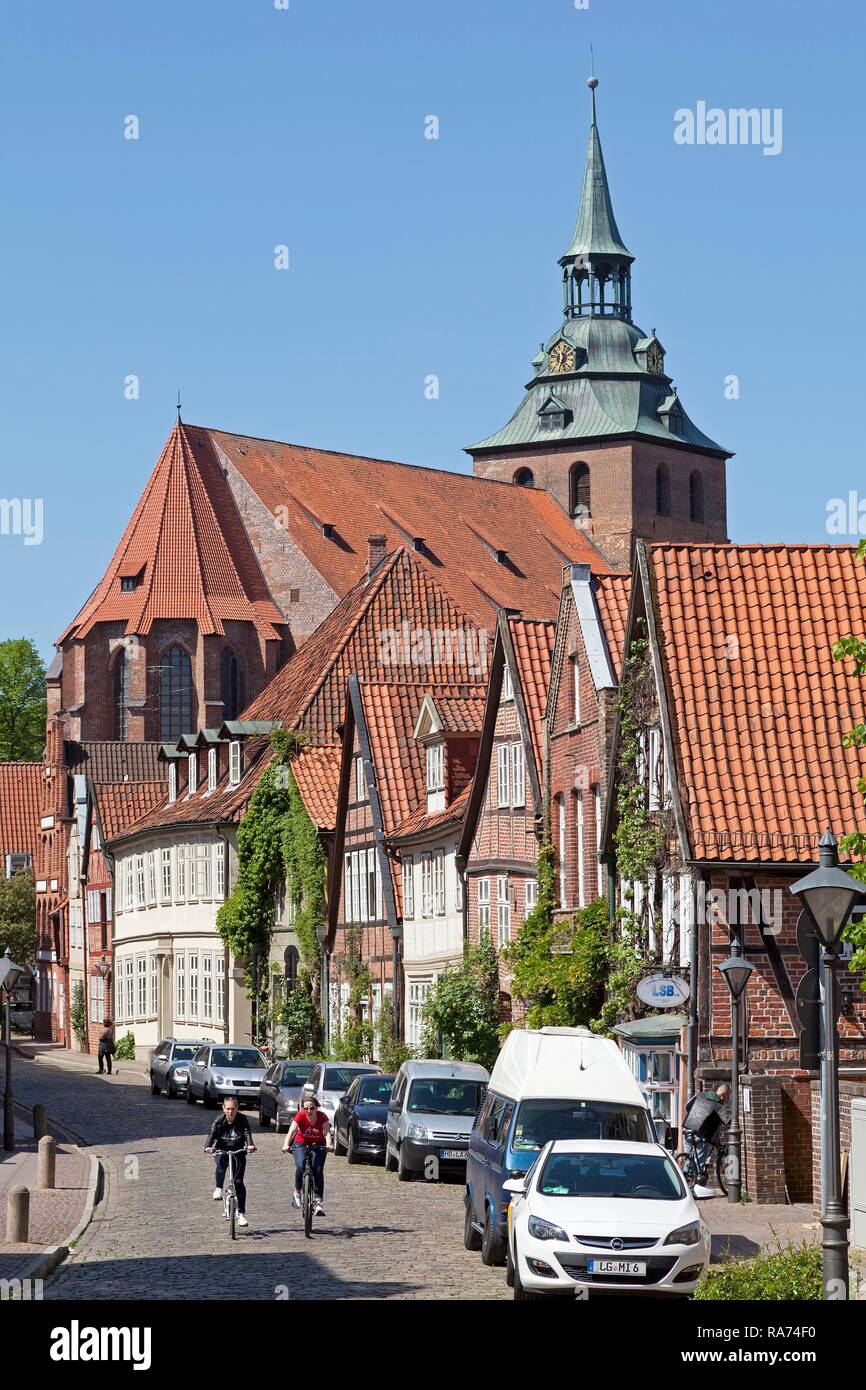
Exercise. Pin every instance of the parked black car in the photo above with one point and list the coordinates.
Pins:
(280, 1093)
(359, 1119)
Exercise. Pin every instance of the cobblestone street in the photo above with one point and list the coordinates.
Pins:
(158, 1233)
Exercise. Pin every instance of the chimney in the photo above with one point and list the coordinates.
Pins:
(375, 553)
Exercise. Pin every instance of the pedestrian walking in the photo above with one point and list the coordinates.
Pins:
(106, 1045)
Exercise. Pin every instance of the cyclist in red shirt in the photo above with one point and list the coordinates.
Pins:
(310, 1128)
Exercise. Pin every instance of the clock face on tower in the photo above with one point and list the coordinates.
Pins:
(655, 361)
(561, 357)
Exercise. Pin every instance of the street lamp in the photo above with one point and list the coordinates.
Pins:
(828, 896)
(735, 972)
(10, 974)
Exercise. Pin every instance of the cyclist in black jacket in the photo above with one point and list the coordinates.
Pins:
(231, 1131)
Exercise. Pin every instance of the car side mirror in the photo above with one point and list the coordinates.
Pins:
(344, 1100)
(514, 1185)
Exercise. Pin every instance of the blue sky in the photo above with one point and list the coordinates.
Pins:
(408, 256)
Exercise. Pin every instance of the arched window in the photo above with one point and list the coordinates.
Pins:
(175, 693)
(121, 694)
(291, 960)
(663, 490)
(696, 497)
(524, 477)
(578, 489)
(232, 683)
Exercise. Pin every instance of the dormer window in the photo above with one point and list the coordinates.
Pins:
(212, 769)
(435, 767)
(130, 582)
(191, 773)
(172, 783)
(234, 763)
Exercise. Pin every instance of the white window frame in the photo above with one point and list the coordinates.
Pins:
(139, 880)
(483, 905)
(435, 767)
(575, 684)
(418, 993)
(219, 891)
(503, 911)
(360, 781)
(193, 985)
(503, 775)
(458, 886)
(212, 770)
(151, 878)
(141, 990)
(206, 988)
(427, 884)
(220, 992)
(408, 888)
(439, 882)
(180, 874)
(581, 857)
(191, 773)
(203, 870)
(153, 984)
(668, 917)
(518, 775)
(507, 683)
(129, 989)
(166, 873)
(531, 894)
(172, 781)
(348, 904)
(180, 985)
(563, 841)
(235, 763)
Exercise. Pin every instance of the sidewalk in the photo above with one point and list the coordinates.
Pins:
(53, 1055)
(57, 1216)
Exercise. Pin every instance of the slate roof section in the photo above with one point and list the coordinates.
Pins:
(114, 761)
(189, 551)
(759, 707)
(460, 518)
(20, 808)
(533, 641)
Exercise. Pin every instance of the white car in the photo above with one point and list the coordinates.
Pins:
(599, 1214)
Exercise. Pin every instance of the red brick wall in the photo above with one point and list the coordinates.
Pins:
(763, 1140)
(850, 1088)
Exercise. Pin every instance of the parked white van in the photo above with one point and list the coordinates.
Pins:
(547, 1083)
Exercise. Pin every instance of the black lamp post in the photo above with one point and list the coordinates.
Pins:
(735, 972)
(828, 896)
(10, 974)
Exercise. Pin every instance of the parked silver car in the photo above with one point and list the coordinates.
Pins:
(169, 1064)
(224, 1069)
(430, 1116)
(280, 1094)
(330, 1080)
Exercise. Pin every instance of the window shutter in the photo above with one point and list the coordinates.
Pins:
(502, 778)
(518, 776)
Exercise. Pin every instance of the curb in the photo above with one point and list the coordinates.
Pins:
(46, 1059)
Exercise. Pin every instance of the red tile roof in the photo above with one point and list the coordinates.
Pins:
(20, 808)
(317, 773)
(759, 706)
(188, 546)
(533, 641)
(613, 592)
(421, 821)
(462, 519)
(121, 804)
(459, 714)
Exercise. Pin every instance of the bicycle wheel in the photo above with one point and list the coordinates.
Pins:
(722, 1169)
(307, 1202)
(233, 1215)
(686, 1164)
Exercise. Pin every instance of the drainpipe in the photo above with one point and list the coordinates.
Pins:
(692, 1030)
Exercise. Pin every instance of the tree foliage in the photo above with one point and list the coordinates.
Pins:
(22, 701)
(461, 1016)
(18, 917)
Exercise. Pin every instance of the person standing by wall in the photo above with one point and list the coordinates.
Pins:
(106, 1045)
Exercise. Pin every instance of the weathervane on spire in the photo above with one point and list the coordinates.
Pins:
(592, 80)
(178, 406)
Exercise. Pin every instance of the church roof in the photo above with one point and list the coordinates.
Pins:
(490, 544)
(184, 554)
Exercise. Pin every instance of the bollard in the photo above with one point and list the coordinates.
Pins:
(40, 1122)
(46, 1162)
(18, 1215)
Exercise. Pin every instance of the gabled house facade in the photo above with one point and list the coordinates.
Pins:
(505, 816)
(742, 759)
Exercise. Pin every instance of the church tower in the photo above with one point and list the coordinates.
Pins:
(601, 426)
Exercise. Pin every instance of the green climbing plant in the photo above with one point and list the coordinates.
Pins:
(461, 1016)
(353, 1037)
(78, 1013)
(854, 844)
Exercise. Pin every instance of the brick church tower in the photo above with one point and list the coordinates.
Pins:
(601, 426)
(182, 631)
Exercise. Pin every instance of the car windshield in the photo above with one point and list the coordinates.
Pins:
(651, 1179)
(296, 1073)
(541, 1120)
(183, 1054)
(339, 1078)
(237, 1057)
(445, 1097)
(376, 1091)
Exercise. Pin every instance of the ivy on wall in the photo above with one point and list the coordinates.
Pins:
(277, 842)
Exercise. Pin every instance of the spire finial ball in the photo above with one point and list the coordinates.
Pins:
(592, 83)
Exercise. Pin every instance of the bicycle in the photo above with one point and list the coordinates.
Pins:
(230, 1196)
(687, 1161)
(308, 1189)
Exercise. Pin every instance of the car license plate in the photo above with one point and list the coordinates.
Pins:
(452, 1153)
(616, 1266)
